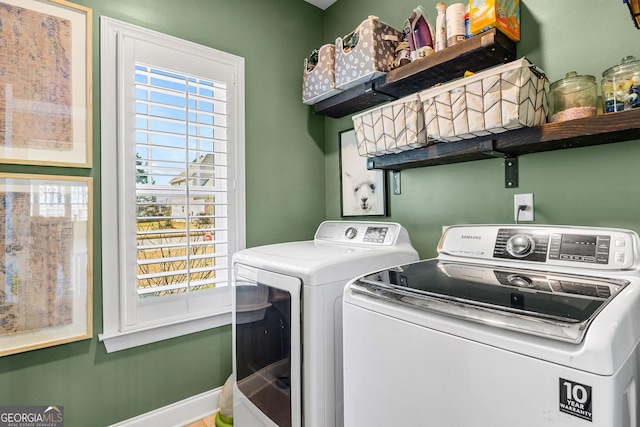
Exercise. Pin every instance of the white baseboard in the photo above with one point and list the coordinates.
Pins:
(177, 414)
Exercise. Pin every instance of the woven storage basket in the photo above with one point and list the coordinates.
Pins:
(394, 127)
(498, 99)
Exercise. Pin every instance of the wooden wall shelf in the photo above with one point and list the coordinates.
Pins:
(474, 54)
(602, 129)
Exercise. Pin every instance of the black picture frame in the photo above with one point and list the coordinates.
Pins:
(363, 192)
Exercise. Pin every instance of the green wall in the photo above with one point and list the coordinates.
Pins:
(285, 201)
(293, 183)
(585, 186)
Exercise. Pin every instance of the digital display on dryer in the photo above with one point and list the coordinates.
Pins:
(375, 234)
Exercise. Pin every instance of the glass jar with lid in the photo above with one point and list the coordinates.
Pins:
(573, 97)
(621, 86)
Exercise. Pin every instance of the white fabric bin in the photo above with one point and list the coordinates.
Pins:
(495, 100)
(391, 128)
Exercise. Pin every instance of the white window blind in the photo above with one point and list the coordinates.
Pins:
(172, 184)
(181, 183)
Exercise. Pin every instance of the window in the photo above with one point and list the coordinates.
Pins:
(181, 183)
(172, 187)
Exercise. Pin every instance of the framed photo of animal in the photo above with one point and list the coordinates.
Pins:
(363, 192)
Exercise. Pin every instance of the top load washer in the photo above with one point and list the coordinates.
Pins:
(511, 325)
(287, 320)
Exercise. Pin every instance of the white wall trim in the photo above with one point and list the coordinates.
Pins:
(121, 341)
(177, 414)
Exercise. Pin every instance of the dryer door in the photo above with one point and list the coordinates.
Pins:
(266, 348)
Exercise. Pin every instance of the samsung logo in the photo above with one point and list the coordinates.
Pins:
(468, 236)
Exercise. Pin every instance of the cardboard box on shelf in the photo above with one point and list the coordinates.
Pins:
(501, 14)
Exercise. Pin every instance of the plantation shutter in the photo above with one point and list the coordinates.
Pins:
(176, 183)
(181, 183)
(172, 184)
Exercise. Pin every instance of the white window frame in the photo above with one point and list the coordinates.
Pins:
(117, 41)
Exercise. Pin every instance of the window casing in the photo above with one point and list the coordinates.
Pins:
(172, 184)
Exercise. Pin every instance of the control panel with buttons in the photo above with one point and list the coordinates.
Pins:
(587, 247)
(357, 232)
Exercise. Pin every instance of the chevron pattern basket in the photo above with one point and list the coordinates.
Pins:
(501, 98)
(394, 127)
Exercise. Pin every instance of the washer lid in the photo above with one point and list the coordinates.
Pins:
(558, 306)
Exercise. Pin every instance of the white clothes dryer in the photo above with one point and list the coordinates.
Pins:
(287, 320)
(511, 325)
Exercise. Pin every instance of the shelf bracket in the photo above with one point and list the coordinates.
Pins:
(510, 172)
(370, 89)
(510, 164)
(396, 182)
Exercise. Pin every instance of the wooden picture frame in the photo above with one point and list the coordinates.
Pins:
(363, 192)
(46, 242)
(45, 87)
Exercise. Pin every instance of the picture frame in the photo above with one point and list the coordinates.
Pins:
(46, 277)
(363, 192)
(46, 86)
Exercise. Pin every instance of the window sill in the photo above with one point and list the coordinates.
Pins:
(117, 341)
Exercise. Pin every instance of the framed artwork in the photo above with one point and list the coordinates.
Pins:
(363, 192)
(45, 274)
(45, 84)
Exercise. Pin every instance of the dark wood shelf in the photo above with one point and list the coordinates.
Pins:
(352, 100)
(474, 54)
(601, 129)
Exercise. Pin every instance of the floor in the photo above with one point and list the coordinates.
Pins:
(210, 421)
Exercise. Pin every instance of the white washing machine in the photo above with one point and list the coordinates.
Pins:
(526, 326)
(287, 320)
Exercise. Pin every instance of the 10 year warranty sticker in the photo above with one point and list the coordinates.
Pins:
(575, 399)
